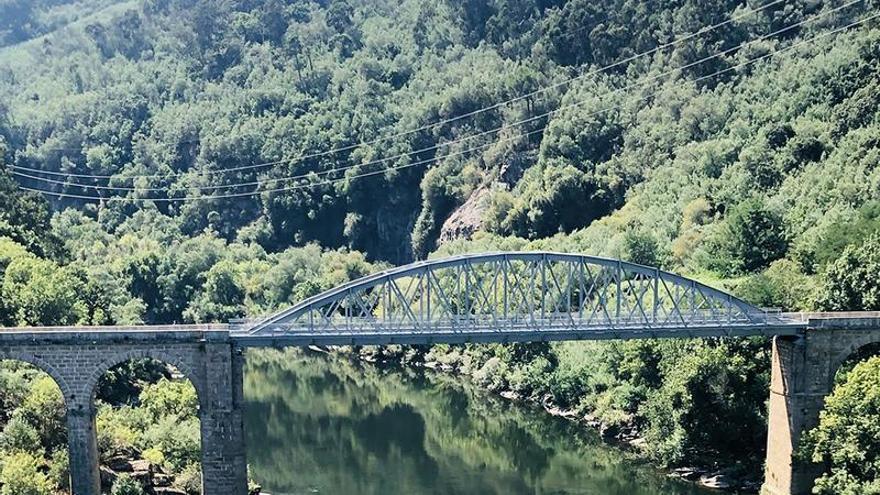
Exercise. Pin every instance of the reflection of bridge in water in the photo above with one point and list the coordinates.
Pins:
(497, 297)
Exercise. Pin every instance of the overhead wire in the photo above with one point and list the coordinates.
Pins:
(437, 146)
(433, 159)
(439, 123)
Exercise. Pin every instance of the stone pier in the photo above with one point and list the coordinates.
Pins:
(802, 376)
(77, 358)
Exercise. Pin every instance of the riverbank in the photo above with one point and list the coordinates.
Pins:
(624, 434)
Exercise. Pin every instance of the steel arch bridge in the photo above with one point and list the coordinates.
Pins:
(513, 297)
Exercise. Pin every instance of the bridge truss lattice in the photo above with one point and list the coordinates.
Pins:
(516, 296)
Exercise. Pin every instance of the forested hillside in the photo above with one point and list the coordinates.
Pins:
(204, 160)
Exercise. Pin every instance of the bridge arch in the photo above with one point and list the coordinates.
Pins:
(854, 345)
(517, 296)
(42, 365)
(181, 361)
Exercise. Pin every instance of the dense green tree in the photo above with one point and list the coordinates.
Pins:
(751, 237)
(847, 440)
(24, 217)
(851, 282)
(21, 475)
(38, 292)
(642, 248)
(783, 285)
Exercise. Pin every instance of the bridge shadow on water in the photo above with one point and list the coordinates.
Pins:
(319, 424)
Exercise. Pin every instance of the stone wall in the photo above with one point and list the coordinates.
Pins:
(802, 376)
(76, 360)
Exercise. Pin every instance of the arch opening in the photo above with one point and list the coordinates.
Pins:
(148, 427)
(845, 442)
(33, 428)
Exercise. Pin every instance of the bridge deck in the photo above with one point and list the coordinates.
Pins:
(292, 338)
(780, 324)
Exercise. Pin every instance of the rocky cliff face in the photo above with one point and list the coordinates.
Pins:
(467, 218)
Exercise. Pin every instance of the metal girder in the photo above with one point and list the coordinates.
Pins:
(514, 296)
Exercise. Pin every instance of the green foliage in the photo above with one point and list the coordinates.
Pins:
(850, 283)
(549, 199)
(24, 217)
(126, 485)
(38, 292)
(642, 248)
(124, 383)
(20, 436)
(44, 408)
(722, 175)
(190, 479)
(847, 440)
(700, 405)
(21, 475)
(177, 441)
(167, 398)
(59, 468)
(782, 285)
(751, 237)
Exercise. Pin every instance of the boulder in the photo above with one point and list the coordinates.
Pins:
(467, 218)
(108, 476)
(688, 473)
(717, 481)
(141, 465)
(162, 480)
(120, 464)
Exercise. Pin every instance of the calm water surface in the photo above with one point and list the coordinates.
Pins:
(320, 425)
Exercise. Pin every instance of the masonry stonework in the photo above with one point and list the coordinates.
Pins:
(77, 359)
(803, 371)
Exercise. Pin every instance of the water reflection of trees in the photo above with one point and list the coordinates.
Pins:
(328, 424)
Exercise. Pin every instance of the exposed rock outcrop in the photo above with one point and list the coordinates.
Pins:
(467, 218)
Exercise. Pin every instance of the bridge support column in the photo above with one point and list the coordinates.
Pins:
(224, 466)
(799, 383)
(83, 450)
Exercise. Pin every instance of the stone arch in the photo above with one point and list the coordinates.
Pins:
(854, 344)
(181, 361)
(44, 366)
(184, 358)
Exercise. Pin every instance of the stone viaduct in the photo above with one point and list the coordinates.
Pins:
(207, 356)
(804, 366)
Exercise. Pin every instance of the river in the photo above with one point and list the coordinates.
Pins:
(322, 425)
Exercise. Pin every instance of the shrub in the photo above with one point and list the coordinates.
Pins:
(21, 476)
(190, 479)
(176, 398)
(20, 436)
(178, 441)
(751, 237)
(126, 485)
(847, 439)
(852, 283)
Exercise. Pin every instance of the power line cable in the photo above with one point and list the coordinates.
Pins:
(437, 123)
(450, 143)
(434, 159)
